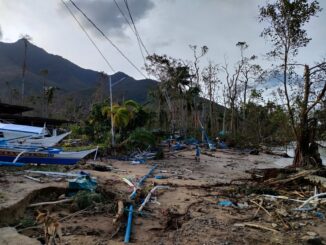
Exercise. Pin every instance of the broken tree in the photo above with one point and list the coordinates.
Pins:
(286, 20)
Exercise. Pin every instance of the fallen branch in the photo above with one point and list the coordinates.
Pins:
(290, 178)
(171, 184)
(282, 197)
(150, 194)
(284, 223)
(260, 206)
(311, 198)
(50, 203)
(119, 214)
(261, 202)
(317, 180)
(256, 226)
(73, 214)
(32, 178)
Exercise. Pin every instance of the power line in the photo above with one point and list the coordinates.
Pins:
(88, 36)
(124, 16)
(133, 23)
(134, 31)
(106, 37)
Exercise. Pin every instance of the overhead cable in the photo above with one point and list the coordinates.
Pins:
(140, 43)
(133, 23)
(107, 38)
(88, 36)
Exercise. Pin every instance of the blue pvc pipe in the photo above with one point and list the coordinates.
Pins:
(128, 230)
(132, 196)
(141, 181)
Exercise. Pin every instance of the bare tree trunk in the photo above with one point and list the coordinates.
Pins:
(306, 152)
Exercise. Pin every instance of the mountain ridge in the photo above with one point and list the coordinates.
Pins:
(62, 73)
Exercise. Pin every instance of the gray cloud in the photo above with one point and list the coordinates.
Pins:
(107, 16)
(0, 33)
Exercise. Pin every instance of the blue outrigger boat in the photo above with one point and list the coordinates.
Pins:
(21, 144)
(42, 156)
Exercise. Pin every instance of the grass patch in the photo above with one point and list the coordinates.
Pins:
(79, 148)
(3, 197)
(49, 168)
(27, 222)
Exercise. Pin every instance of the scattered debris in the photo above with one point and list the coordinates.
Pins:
(226, 203)
(201, 200)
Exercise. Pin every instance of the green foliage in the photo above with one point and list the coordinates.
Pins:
(97, 128)
(27, 222)
(84, 199)
(286, 19)
(141, 138)
(176, 91)
(267, 124)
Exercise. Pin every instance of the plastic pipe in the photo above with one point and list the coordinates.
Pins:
(141, 181)
(128, 230)
(150, 194)
(132, 196)
(311, 198)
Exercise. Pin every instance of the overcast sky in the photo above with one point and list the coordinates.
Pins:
(165, 26)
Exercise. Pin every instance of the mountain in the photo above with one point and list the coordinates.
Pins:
(71, 79)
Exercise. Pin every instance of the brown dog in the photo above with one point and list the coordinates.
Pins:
(52, 227)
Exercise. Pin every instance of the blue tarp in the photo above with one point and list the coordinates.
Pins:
(83, 182)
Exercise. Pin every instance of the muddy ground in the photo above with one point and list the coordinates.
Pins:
(187, 213)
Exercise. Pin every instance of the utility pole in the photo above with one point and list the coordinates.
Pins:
(111, 106)
(112, 123)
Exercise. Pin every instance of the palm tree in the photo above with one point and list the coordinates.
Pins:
(119, 115)
(49, 94)
(25, 38)
(44, 73)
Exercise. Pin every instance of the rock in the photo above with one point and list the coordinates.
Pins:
(10, 236)
(242, 205)
(282, 212)
(63, 196)
(311, 233)
(305, 238)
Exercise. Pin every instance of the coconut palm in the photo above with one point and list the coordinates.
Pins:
(119, 114)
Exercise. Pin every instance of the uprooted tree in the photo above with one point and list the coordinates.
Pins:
(286, 31)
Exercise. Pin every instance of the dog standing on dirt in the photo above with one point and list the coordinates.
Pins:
(52, 227)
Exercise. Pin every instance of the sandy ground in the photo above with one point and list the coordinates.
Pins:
(187, 213)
